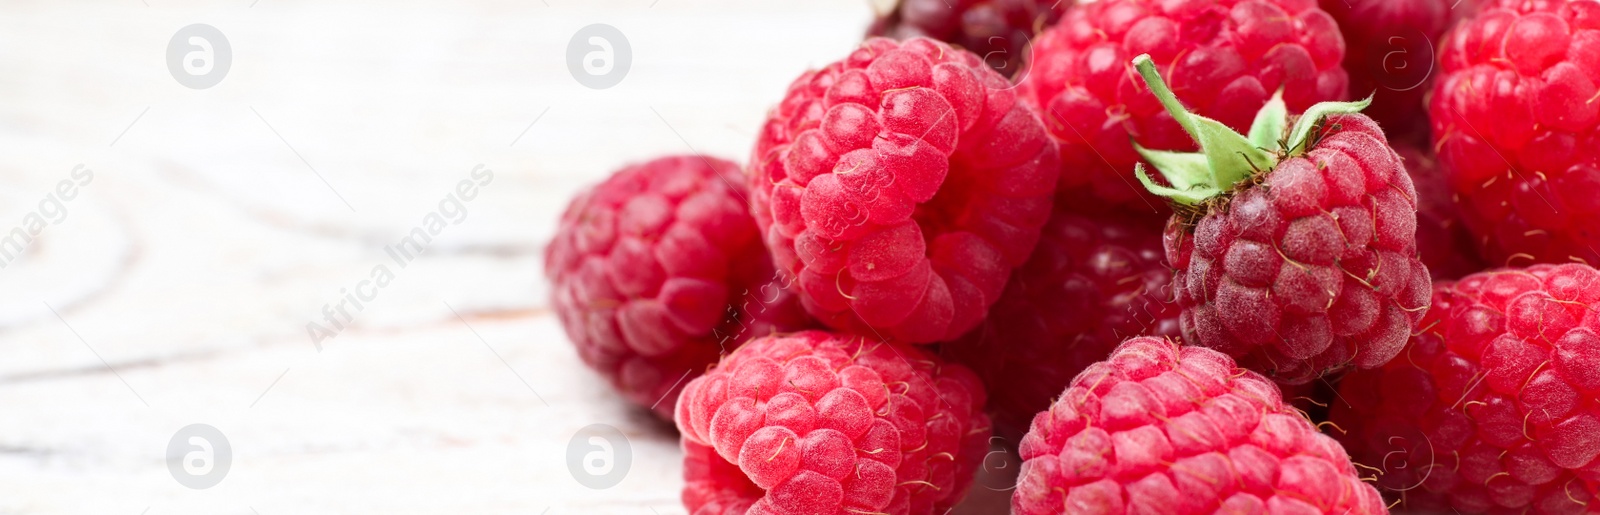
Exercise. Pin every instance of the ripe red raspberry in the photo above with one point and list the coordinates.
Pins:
(1389, 53)
(1226, 57)
(1442, 238)
(1296, 252)
(816, 423)
(1163, 428)
(1092, 283)
(658, 270)
(901, 186)
(1514, 119)
(1494, 407)
(996, 30)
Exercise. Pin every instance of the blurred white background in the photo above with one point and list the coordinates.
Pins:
(176, 287)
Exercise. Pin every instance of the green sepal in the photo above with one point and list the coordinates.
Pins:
(1226, 157)
(1312, 117)
(1183, 169)
(1233, 158)
(1191, 195)
(1267, 130)
(1230, 157)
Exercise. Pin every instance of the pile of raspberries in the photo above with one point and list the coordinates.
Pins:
(1175, 256)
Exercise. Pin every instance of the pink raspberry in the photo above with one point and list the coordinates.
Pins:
(1517, 124)
(1494, 407)
(1295, 247)
(901, 186)
(815, 423)
(1226, 58)
(1159, 428)
(658, 270)
(1093, 282)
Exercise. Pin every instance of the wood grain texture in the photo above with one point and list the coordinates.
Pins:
(177, 287)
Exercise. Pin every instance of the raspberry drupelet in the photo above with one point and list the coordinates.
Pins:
(900, 186)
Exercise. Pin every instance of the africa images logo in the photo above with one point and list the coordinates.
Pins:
(599, 456)
(599, 56)
(199, 56)
(198, 456)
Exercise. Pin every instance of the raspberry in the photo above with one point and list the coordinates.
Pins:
(1442, 238)
(1390, 55)
(812, 422)
(1296, 252)
(657, 270)
(1226, 57)
(1494, 407)
(997, 30)
(940, 182)
(1515, 121)
(1159, 428)
(1091, 284)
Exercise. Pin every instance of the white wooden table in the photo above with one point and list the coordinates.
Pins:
(178, 285)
